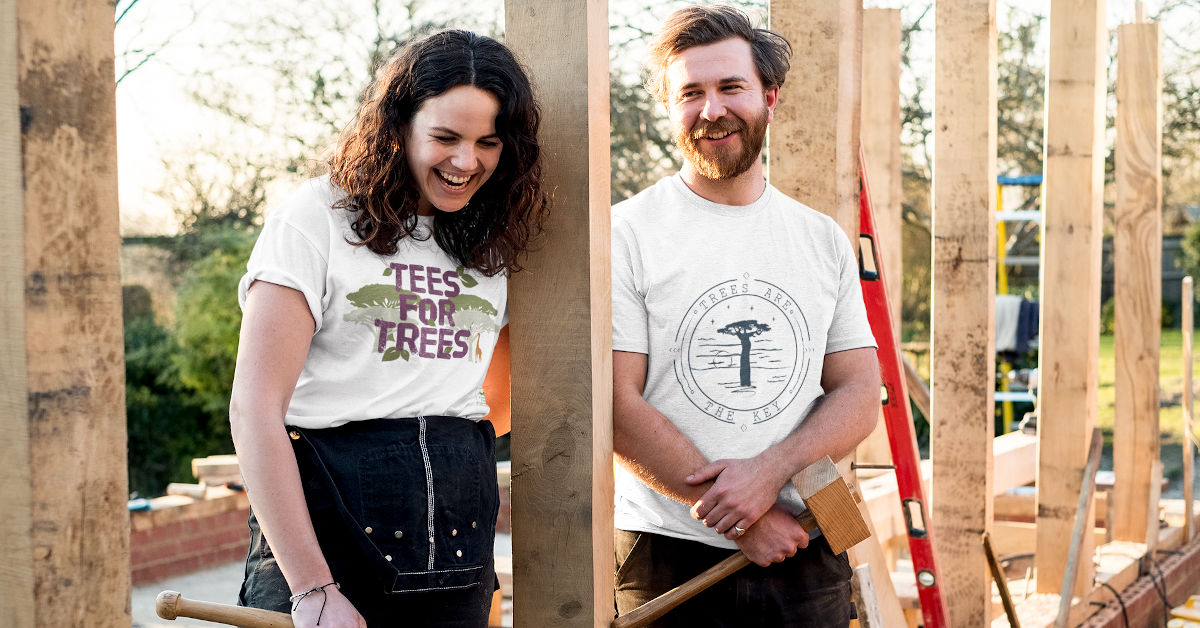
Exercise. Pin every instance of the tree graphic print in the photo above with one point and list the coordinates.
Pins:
(745, 330)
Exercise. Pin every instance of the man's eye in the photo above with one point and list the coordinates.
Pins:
(445, 139)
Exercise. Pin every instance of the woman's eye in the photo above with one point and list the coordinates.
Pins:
(489, 143)
(445, 139)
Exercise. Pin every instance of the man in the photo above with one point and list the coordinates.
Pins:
(741, 348)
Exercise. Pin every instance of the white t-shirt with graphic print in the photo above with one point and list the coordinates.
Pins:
(407, 335)
(735, 308)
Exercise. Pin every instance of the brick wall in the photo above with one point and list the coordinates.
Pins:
(181, 535)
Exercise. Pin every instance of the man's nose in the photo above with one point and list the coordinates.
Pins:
(713, 108)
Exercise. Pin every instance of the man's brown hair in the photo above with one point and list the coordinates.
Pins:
(703, 25)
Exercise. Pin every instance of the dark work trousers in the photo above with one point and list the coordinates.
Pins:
(811, 589)
(405, 514)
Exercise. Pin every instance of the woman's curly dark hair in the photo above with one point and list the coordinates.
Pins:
(495, 228)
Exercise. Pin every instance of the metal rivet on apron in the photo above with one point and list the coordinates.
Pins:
(454, 532)
(388, 558)
(399, 534)
(431, 539)
(458, 553)
(473, 526)
(294, 434)
(368, 529)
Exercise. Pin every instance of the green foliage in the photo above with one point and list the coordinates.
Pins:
(166, 426)
(208, 321)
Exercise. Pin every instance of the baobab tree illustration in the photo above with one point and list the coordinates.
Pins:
(745, 330)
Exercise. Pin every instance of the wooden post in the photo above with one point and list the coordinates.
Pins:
(1189, 438)
(881, 140)
(1070, 326)
(66, 401)
(16, 571)
(814, 138)
(964, 288)
(561, 309)
(881, 144)
(1137, 280)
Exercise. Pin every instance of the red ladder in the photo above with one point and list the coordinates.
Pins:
(896, 414)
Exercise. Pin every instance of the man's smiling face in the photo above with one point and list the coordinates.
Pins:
(718, 107)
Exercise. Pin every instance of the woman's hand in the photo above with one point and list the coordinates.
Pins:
(326, 608)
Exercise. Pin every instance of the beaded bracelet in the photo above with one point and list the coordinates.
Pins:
(299, 597)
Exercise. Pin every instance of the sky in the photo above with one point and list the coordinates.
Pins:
(161, 126)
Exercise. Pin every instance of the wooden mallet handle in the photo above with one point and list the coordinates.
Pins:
(170, 604)
(659, 606)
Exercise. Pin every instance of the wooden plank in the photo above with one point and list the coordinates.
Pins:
(1070, 327)
(561, 309)
(72, 298)
(881, 145)
(1079, 530)
(1189, 447)
(814, 138)
(862, 591)
(1014, 461)
(1137, 276)
(964, 288)
(1001, 582)
(16, 571)
(881, 141)
(1019, 537)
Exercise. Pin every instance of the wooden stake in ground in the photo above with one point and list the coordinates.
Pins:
(963, 303)
(1001, 582)
(881, 145)
(815, 135)
(561, 330)
(862, 591)
(1070, 308)
(1083, 521)
(1137, 281)
(63, 485)
(1189, 446)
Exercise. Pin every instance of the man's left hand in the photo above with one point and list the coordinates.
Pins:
(743, 489)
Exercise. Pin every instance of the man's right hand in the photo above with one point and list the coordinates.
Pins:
(338, 612)
(775, 537)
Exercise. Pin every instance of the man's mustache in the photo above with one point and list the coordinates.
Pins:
(724, 124)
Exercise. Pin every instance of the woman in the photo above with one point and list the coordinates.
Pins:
(372, 304)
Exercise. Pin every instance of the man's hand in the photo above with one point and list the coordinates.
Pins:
(330, 608)
(774, 538)
(743, 489)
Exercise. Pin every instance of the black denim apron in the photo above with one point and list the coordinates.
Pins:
(399, 506)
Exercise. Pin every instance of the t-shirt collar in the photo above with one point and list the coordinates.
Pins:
(717, 208)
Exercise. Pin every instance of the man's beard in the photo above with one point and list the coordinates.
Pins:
(724, 162)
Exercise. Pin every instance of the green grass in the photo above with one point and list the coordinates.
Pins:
(1170, 417)
(1170, 381)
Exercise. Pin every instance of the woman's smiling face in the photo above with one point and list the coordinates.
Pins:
(452, 147)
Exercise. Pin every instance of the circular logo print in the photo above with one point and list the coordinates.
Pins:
(743, 351)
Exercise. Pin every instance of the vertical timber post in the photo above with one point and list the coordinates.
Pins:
(16, 571)
(72, 343)
(1137, 282)
(561, 310)
(814, 144)
(814, 138)
(1070, 325)
(964, 291)
(881, 144)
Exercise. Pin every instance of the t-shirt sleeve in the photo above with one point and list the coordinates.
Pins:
(849, 328)
(284, 255)
(629, 318)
